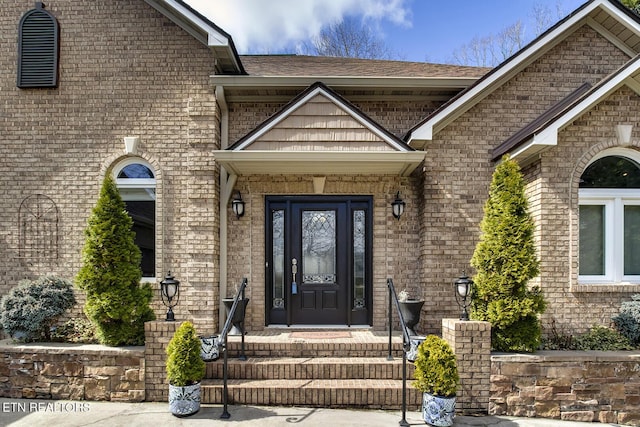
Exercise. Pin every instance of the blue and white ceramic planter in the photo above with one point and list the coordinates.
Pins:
(184, 401)
(438, 411)
(209, 348)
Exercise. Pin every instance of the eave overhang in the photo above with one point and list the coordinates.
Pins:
(425, 131)
(547, 134)
(255, 162)
(203, 30)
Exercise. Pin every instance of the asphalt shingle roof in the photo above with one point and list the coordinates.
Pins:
(299, 65)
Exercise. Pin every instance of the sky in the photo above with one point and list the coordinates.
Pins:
(417, 30)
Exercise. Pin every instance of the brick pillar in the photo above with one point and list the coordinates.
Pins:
(157, 335)
(471, 342)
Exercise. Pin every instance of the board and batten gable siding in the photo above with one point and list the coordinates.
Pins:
(320, 125)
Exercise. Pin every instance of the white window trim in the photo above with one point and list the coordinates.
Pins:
(614, 201)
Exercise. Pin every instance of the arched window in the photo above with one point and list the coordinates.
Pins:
(137, 184)
(609, 250)
(38, 50)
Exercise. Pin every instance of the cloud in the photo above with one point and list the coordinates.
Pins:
(259, 26)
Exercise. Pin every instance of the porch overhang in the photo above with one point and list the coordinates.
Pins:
(260, 162)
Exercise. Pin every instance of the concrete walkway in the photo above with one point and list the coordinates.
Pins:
(58, 413)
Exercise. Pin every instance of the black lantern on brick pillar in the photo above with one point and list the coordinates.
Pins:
(463, 287)
(170, 291)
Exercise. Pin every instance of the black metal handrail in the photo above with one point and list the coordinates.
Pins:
(223, 344)
(406, 345)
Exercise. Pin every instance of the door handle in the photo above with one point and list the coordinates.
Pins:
(294, 271)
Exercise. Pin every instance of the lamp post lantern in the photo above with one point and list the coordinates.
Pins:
(463, 287)
(170, 290)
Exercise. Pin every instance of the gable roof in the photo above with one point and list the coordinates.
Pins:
(623, 30)
(203, 30)
(338, 138)
(546, 134)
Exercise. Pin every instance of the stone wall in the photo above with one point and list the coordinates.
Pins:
(75, 372)
(568, 385)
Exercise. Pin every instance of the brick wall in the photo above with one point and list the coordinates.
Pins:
(395, 242)
(157, 337)
(125, 70)
(471, 343)
(458, 171)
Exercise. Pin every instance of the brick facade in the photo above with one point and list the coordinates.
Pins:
(124, 71)
(130, 71)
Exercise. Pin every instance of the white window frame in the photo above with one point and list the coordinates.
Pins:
(143, 183)
(614, 202)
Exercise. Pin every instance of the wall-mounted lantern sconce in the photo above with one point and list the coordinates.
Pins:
(463, 289)
(237, 204)
(397, 206)
(170, 289)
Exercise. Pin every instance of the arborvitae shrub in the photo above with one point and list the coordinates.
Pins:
(505, 261)
(117, 303)
(29, 310)
(628, 321)
(184, 364)
(436, 371)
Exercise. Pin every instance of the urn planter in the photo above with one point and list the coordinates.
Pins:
(438, 411)
(209, 348)
(411, 314)
(238, 318)
(185, 400)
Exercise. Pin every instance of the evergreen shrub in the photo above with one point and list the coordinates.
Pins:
(505, 260)
(29, 310)
(184, 364)
(628, 320)
(117, 304)
(436, 370)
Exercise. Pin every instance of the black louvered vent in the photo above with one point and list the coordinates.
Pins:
(38, 49)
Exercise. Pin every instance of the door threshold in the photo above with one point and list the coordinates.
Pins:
(319, 327)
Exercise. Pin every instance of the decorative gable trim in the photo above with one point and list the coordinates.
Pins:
(275, 156)
(311, 92)
(38, 49)
(450, 111)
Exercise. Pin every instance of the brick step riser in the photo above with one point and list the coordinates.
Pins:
(244, 370)
(313, 350)
(388, 399)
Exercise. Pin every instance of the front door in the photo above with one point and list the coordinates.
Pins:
(318, 266)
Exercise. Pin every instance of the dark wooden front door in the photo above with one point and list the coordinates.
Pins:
(318, 260)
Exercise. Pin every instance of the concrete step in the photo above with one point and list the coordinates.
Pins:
(353, 393)
(259, 368)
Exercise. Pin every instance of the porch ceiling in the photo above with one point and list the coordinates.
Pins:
(258, 162)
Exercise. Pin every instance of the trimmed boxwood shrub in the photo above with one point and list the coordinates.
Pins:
(29, 310)
(184, 364)
(505, 260)
(117, 304)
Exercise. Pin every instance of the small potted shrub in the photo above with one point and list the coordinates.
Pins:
(436, 376)
(185, 370)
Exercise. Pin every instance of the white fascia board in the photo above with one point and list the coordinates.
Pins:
(343, 81)
(304, 100)
(319, 162)
(192, 23)
(549, 135)
(476, 93)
